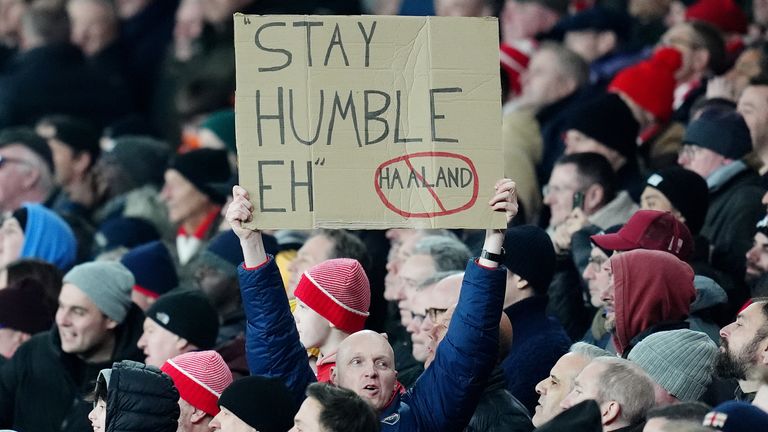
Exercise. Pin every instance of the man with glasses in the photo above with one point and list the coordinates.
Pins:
(26, 168)
(583, 199)
(714, 145)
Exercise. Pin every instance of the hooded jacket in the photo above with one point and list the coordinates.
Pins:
(140, 397)
(651, 288)
(43, 389)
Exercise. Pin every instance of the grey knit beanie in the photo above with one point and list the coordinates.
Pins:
(107, 284)
(681, 361)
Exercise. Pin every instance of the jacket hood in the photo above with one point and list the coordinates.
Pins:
(651, 287)
(140, 397)
(708, 293)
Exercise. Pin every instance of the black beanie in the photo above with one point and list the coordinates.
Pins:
(187, 314)
(528, 253)
(205, 168)
(723, 131)
(686, 191)
(609, 121)
(263, 403)
(610, 230)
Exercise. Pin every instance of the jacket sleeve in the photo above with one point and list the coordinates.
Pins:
(445, 396)
(271, 341)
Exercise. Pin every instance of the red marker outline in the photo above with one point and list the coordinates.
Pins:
(444, 212)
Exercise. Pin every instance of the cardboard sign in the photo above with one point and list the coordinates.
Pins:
(368, 121)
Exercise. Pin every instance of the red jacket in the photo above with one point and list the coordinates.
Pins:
(651, 287)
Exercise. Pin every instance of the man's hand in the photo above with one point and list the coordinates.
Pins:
(239, 212)
(503, 200)
(564, 232)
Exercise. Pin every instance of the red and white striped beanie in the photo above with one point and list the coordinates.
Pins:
(337, 290)
(200, 377)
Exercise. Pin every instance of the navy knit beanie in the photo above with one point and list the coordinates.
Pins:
(153, 268)
(724, 132)
(528, 252)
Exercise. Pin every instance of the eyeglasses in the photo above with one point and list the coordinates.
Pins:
(597, 262)
(435, 313)
(689, 151)
(5, 159)
(549, 189)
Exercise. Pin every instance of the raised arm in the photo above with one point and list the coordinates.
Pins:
(272, 341)
(446, 395)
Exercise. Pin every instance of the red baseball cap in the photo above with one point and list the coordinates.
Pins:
(652, 230)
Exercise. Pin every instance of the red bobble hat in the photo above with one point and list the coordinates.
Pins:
(651, 83)
(337, 290)
(726, 15)
(200, 377)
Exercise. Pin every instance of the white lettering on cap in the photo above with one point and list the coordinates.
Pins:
(163, 317)
(655, 179)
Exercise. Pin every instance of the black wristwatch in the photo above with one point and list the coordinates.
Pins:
(490, 256)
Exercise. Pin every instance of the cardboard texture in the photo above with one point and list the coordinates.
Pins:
(368, 121)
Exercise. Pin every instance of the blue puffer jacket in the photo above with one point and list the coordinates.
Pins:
(443, 398)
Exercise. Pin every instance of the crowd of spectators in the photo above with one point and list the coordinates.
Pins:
(628, 292)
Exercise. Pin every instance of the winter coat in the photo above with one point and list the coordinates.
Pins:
(538, 342)
(445, 396)
(651, 288)
(616, 212)
(734, 209)
(43, 389)
(710, 297)
(140, 397)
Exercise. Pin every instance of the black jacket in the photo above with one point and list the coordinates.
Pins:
(734, 209)
(140, 397)
(498, 410)
(43, 389)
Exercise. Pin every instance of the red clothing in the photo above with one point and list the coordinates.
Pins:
(651, 287)
(203, 228)
(514, 61)
(324, 367)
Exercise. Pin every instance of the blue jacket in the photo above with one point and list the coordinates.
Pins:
(443, 398)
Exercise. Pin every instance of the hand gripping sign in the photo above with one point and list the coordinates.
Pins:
(368, 122)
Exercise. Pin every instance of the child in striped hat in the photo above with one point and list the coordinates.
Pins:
(200, 377)
(333, 298)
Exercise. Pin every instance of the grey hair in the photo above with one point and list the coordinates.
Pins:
(627, 384)
(570, 64)
(437, 277)
(437, 232)
(447, 253)
(589, 351)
